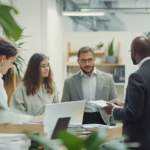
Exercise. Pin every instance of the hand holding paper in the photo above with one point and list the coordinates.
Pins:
(98, 103)
(106, 106)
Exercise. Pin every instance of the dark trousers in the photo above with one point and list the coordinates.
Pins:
(92, 118)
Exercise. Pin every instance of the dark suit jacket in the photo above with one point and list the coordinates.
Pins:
(136, 113)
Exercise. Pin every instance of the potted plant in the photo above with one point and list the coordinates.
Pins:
(99, 46)
(111, 58)
(147, 34)
(95, 141)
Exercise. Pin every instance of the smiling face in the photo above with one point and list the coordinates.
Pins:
(44, 68)
(86, 62)
(6, 64)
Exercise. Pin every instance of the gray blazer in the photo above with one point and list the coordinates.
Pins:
(105, 90)
(33, 105)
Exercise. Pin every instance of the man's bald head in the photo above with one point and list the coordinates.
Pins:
(141, 45)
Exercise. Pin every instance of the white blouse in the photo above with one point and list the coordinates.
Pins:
(6, 116)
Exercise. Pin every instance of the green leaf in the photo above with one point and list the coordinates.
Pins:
(96, 139)
(10, 27)
(72, 142)
(110, 48)
(147, 34)
(99, 45)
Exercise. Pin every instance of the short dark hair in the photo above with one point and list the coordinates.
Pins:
(85, 49)
(7, 49)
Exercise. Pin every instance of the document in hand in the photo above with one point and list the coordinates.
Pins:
(99, 103)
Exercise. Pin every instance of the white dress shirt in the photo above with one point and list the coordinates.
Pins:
(89, 90)
(139, 65)
(6, 116)
(142, 61)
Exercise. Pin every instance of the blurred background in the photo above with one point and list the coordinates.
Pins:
(59, 28)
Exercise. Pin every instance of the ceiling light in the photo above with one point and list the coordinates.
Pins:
(74, 13)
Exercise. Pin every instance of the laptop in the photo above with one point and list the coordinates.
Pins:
(61, 124)
(53, 112)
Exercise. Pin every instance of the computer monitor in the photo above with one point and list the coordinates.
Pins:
(73, 109)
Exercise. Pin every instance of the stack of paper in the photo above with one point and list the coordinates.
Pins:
(92, 127)
(14, 141)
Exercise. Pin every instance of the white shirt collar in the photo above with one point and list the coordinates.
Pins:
(94, 72)
(142, 61)
(1, 75)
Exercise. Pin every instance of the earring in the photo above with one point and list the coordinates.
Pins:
(2, 64)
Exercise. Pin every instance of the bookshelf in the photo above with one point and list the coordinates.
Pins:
(73, 67)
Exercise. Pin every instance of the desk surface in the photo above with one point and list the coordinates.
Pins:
(21, 128)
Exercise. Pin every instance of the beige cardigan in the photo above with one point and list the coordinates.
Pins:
(20, 103)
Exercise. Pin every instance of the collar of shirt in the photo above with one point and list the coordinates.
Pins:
(94, 72)
(142, 61)
(1, 75)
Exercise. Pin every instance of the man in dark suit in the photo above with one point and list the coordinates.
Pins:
(135, 113)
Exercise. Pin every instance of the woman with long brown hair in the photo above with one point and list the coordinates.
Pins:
(8, 54)
(36, 89)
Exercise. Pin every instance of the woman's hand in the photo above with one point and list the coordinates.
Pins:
(37, 119)
(117, 102)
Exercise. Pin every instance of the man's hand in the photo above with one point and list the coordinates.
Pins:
(108, 109)
(117, 102)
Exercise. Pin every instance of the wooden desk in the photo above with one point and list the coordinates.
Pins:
(21, 128)
(113, 132)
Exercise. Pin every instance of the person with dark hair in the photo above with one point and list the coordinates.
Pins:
(36, 89)
(90, 84)
(8, 54)
(135, 113)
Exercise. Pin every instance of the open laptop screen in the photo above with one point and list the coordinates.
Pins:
(62, 123)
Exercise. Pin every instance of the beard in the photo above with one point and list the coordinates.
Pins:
(133, 60)
(86, 72)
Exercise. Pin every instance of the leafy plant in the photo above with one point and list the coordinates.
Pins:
(99, 46)
(147, 34)
(110, 48)
(95, 141)
(10, 27)
(13, 32)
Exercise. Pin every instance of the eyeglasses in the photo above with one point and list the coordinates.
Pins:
(90, 60)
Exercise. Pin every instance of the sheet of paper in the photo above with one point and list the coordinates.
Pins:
(99, 103)
(93, 125)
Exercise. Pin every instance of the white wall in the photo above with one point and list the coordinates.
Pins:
(29, 18)
(55, 48)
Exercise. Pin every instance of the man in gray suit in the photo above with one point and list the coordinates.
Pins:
(90, 84)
